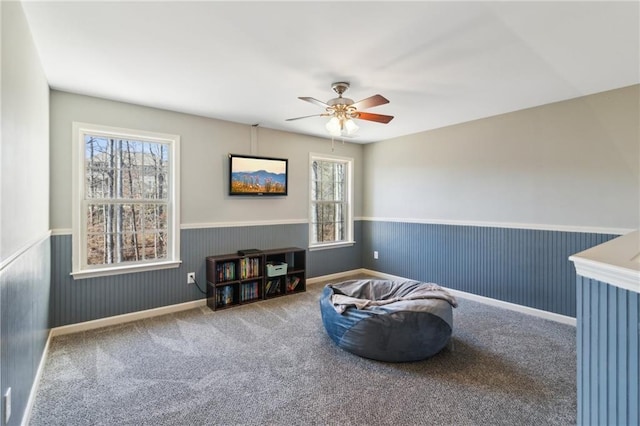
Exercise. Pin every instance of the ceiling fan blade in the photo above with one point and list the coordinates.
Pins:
(371, 102)
(307, 116)
(379, 118)
(314, 101)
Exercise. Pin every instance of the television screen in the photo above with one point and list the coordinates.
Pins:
(251, 175)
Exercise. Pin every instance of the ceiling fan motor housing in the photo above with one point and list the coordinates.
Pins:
(339, 101)
(340, 87)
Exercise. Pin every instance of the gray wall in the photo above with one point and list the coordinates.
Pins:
(205, 143)
(572, 164)
(24, 210)
(213, 223)
(24, 175)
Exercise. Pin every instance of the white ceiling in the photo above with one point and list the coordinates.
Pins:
(439, 63)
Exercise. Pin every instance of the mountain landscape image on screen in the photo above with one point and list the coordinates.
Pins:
(259, 181)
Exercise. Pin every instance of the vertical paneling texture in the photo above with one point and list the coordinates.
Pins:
(607, 348)
(526, 267)
(24, 287)
(76, 301)
(522, 266)
(325, 262)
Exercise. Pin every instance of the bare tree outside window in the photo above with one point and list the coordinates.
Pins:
(125, 200)
(329, 201)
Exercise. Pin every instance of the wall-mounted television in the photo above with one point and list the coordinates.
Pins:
(257, 176)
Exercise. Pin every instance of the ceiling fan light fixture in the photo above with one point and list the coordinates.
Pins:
(334, 127)
(350, 126)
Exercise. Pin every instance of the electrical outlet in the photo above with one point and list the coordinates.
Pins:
(7, 405)
(191, 278)
(375, 254)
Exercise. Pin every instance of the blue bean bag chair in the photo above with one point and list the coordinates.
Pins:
(394, 321)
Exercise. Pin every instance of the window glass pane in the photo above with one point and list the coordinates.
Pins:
(126, 233)
(328, 232)
(161, 220)
(99, 178)
(122, 168)
(162, 185)
(329, 202)
(315, 213)
(161, 245)
(327, 170)
(154, 217)
(340, 191)
(327, 191)
(96, 249)
(130, 247)
(95, 218)
(340, 172)
(101, 248)
(155, 246)
(339, 214)
(328, 213)
(339, 228)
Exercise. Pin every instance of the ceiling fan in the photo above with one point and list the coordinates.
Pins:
(343, 110)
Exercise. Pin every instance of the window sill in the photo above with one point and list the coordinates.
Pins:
(331, 245)
(128, 269)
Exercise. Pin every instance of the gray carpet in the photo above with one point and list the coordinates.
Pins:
(272, 363)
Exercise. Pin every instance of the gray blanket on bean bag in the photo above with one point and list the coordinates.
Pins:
(363, 294)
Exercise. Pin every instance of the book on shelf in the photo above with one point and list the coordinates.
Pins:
(249, 267)
(249, 291)
(292, 283)
(272, 287)
(226, 271)
(224, 296)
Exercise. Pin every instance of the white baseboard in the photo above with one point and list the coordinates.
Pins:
(563, 319)
(339, 275)
(120, 319)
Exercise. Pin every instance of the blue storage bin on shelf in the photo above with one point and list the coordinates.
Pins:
(276, 269)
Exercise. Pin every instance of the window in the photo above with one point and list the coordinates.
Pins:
(125, 216)
(331, 218)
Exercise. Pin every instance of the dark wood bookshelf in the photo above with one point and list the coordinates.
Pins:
(234, 280)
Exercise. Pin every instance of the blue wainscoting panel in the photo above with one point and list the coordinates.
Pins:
(24, 289)
(523, 266)
(74, 301)
(608, 354)
(526, 267)
(331, 261)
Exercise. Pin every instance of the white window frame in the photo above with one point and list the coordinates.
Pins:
(80, 268)
(349, 222)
